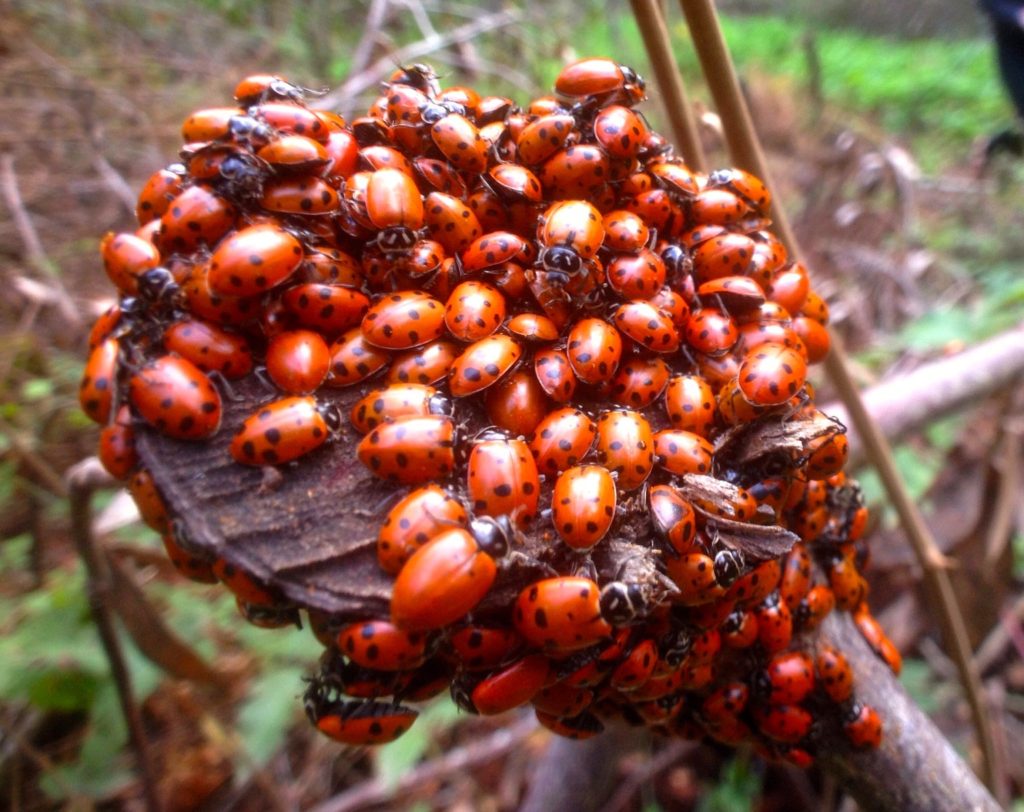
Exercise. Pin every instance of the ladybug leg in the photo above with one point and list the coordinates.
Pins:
(229, 391)
(261, 375)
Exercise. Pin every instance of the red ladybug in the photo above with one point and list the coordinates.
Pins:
(459, 141)
(298, 361)
(502, 480)
(711, 331)
(394, 207)
(284, 430)
(210, 347)
(451, 222)
(774, 624)
(863, 726)
(253, 260)
(682, 452)
(328, 308)
(404, 319)
(512, 686)
(117, 445)
(99, 380)
(381, 645)
(395, 401)
(361, 722)
(835, 677)
(625, 445)
(157, 193)
(353, 359)
(561, 614)
(583, 505)
(176, 398)
(784, 723)
(562, 439)
(474, 310)
(125, 258)
(517, 403)
(196, 216)
(555, 374)
(647, 326)
(673, 518)
(426, 365)
(415, 520)
(787, 678)
(570, 232)
(690, 404)
(484, 647)
(545, 136)
(599, 80)
(594, 348)
(771, 374)
(483, 364)
(411, 450)
(444, 579)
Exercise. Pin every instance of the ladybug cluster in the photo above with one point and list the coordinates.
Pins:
(583, 368)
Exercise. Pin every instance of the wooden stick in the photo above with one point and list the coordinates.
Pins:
(83, 479)
(651, 21)
(746, 152)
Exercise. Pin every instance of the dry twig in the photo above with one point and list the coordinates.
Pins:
(746, 152)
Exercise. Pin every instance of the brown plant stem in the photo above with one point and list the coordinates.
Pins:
(459, 760)
(83, 479)
(746, 152)
(651, 21)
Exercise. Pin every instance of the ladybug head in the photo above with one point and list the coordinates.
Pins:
(432, 112)
(728, 566)
(397, 239)
(333, 416)
(250, 131)
(675, 646)
(157, 286)
(493, 535)
(561, 260)
(621, 603)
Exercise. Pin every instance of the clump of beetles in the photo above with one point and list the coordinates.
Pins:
(628, 340)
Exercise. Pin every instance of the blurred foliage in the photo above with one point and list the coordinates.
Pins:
(737, 790)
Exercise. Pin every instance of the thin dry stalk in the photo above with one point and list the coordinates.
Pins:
(745, 149)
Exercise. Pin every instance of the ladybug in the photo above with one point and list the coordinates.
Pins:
(594, 348)
(395, 401)
(673, 518)
(379, 644)
(638, 275)
(723, 256)
(191, 566)
(583, 726)
(682, 452)
(739, 629)
(814, 336)
(474, 310)
(788, 287)
(746, 185)
(737, 295)
(502, 480)
(196, 216)
(626, 232)
(483, 647)
(360, 722)
(694, 574)
(253, 260)
(446, 578)
(99, 380)
(647, 326)
(835, 677)
(562, 700)
(871, 631)
(848, 585)
(533, 327)
(620, 131)
(295, 154)
(492, 250)
(577, 173)
(210, 347)
(542, 138)
(291, 118)
(863, 726)
(796, 576)
(724, 704)
(117, 445)
(148, 500)
(783, 723)
(787, 679)
(298, 361)
(173, 395)
(555, 374)
(690, 404)
(512, 686)
(353, 359)
(640, 382)
(599, 80)
(718, 207)
(157, 193)
(636, 668)
(771, 374)
(827, 455)
(570, 232)
(394, 207)
(458, 139)
(583, 505)
(244, 586)
(415, 520)
(483, 364)
(284, 430)
(419, 76)
(403, 320)
(427, 364)
(517, 403)
(379, 156)
(513, 183)
(625, 445)
(300, 195)
(410, 450)
(451, 222)
(562, 439)
(330, 309)
(125, 258)
(815, 607)
(711, 331)
(774, 624)
(561, 614)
